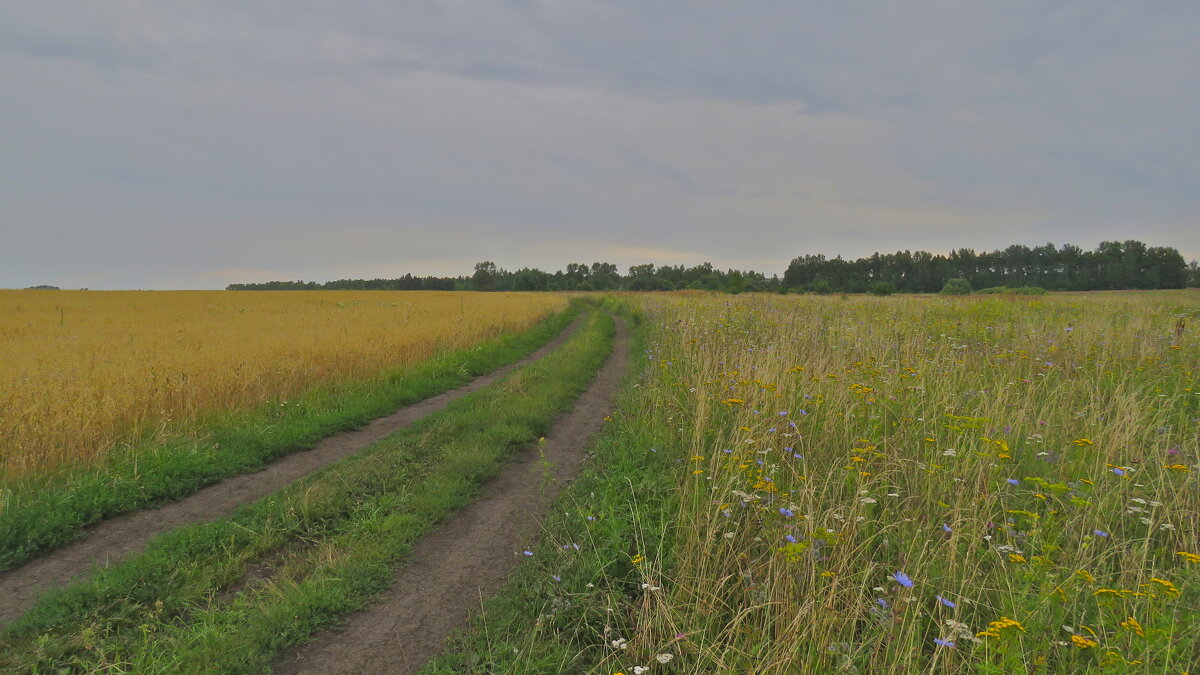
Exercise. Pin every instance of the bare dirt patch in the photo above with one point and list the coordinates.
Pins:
(115, 539)
(467, 557)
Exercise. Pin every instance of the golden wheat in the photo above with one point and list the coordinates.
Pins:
(81, 371)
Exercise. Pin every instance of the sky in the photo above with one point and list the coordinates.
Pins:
(169, 145)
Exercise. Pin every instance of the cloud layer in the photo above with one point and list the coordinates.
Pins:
(188, 145)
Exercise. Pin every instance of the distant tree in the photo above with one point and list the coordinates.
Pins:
(882, 288)
(485, 276)
(735, 283)
(957, 286)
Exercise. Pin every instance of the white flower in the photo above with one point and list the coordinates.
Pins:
(664, 658)
(638, 670)
(620, 643)
(867, 500)
(949, 452)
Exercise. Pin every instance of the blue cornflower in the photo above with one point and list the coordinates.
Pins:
(527, 553)
(783, 413)
(946, 528)
(945, 602)
(786, 512)
(902, 579)
(1013, 481)
(790, 539)
(882, 603)
(1119, 471)
(942, 643)
(1100, 533)
(555, 577)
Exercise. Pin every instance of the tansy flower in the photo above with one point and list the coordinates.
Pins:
(1083, 642)
(1190, 557)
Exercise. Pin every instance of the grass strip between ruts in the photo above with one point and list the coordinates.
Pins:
(227, 596)
(604, 549)
(41, 514)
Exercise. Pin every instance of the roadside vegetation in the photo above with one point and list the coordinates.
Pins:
(227, 596)
(980, 485)
(41, 510)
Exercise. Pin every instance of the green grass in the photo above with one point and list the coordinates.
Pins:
(770, 548)
(192, 601)
(38, 514)
(603, 550)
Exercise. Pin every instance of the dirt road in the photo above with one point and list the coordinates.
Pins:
(467, 557)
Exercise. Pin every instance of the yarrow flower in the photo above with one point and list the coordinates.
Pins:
(902, 579)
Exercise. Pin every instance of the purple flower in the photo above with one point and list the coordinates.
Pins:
(943, 643)
(555, 577)
(902, 579)
(1119, 471)
(786, 512)
(790, 539)
(946, 528)
(945, 602)
(527, 553)
(882, 603)
(1100, 533)
(783, 413)
(1013, 481)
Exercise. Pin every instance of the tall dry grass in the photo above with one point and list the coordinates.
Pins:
(83, 371)
(931, 484)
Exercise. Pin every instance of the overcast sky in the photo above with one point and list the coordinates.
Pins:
(172, 144)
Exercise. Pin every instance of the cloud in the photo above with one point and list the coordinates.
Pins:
(145, 143)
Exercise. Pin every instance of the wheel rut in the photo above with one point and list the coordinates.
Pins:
(467, 558)
(119, 537)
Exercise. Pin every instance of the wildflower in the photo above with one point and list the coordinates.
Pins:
(786, 512)
(945, 602)
(638, 559)
(1100, 533)
(943, 643)
(1016, 557)
(1133, 625)
(790, 539)
(527, 553)
(903, 579)
(1013, 481)
(620, 643)
(882, 603)
(1083, 442)
(555, 577)
(946, 528)
(1189, 557)
(638, 670)
(1170, 587)
(1118, 470)
(1083, 642)
(1177, 467)
(665, 657)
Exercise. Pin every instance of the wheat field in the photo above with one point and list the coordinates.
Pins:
(84, 371)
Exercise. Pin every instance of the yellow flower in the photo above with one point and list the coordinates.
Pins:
(1086, 576)
(1170, 587)
(638, 559)
(1017, 558)
(1133, 625)
(1177, 467)
(1083, 442)
(1083, 642)
(1190, 557)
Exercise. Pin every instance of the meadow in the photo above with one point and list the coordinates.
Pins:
(857, 484)
(83, 372)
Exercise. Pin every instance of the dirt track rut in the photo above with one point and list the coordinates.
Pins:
(117, 538)
(467, 557)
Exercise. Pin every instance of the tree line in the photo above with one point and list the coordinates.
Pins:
(1111, 266)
